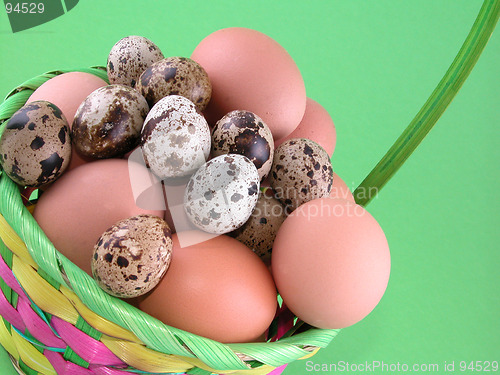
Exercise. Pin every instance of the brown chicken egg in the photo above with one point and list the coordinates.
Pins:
(340, 189)
(331, 262)
(218, 289)
(316, 125)
(67, 91)
(249, 70)
(87, 200)
(35, 147)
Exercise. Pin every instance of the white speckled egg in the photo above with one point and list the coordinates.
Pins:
(35, 146)
(129, 57)
(301, 172)
(175, 138)
(222, 194)
(176, 76)
(243, 132)
(109, 121)
(259, 231)
(132, 256)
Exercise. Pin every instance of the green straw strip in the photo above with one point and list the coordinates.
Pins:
(434, 107)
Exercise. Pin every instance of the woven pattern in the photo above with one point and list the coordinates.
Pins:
(57, 320)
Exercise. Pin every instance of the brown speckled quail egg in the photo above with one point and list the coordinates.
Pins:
(132, 256)
(301, 172)
(109, 121)
(243, 132)
(129, 58)
(175, 138)
(35, 147)
(259, 232)
(222, 194)
(176, 76)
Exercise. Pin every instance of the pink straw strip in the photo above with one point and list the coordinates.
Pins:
(10, 314)
(89, 349)
(8, 277)
(37, 326)
(285, 321)
(64, 367)
(103, 370)
(278, 370)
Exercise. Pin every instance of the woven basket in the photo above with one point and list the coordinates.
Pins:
(55, 319)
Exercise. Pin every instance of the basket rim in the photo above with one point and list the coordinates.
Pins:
(229, 356)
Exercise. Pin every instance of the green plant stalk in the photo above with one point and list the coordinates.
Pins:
(434, 107)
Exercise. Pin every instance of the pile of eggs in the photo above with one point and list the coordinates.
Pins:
(198, 189)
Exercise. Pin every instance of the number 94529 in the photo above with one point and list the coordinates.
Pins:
(479, 366)
(24, 8)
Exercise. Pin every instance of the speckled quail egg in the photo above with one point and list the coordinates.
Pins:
(109, 121)
(132, 256)
(35, 147)
(129, 58)
(259, 231)
(176, 76)
(222, 194)
(301, 172)
(243, 132)
(175, 138)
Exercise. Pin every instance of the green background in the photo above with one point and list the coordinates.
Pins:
(371, 64)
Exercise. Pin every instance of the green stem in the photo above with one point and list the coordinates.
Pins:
(434, 107)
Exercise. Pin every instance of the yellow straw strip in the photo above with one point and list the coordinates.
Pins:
(148, 360)
(42, 293)
(262, 370)
(195, 362)
(14, 243)
(6, 340)
(310, 354)
(99, 323)
(144, 359)
(31, 356)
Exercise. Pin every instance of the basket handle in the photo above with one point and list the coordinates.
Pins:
(435, 106)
